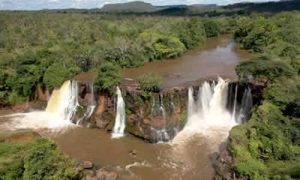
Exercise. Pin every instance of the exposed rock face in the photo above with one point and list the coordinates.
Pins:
(87, 165)
(155, 118)
(42, 93)
(105, 175)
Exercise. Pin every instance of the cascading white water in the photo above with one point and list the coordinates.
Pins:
(119, 127)
(90, 108)
(64, 102)
(245, 107)
(160, 135)
(209, 114)
(234, 103)
(61, 108)
(161, 106)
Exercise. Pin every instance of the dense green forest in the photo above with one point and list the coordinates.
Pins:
(35, 45)
(268, 146)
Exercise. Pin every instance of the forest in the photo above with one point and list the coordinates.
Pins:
(34, 46)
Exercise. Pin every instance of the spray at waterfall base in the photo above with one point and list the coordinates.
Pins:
(60, 112)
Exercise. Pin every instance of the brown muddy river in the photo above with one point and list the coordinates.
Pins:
(187, 161)
(217, 57)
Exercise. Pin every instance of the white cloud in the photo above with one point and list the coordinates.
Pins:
(60, 4)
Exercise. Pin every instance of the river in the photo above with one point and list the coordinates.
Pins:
(217, 57)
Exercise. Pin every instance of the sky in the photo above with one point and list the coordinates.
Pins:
(62, 4)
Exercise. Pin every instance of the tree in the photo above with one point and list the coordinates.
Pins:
(191, 33)
(211, 27)
(149, 83)
(84, 62)
(108, 76)
(255, 34)
(56, 74)
(264, 69)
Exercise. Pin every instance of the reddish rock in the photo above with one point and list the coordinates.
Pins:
(100, 123)
(105, 175)
(90, 178)
(87, 165)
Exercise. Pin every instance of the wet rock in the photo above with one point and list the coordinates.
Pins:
(87, 165)
(78, 168)
(223, 166)
(133, 152)
(105, 175)
(24, 107)
(100, 123)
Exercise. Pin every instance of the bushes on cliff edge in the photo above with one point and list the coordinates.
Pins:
(149, 83)
(108, 76)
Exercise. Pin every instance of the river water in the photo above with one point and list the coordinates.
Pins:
(217, 57)
(132, 158)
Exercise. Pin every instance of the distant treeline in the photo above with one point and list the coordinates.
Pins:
(208, 10)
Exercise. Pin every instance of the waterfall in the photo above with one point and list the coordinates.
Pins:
(161, 106)
(64, 101)
(245, 107)
(160, 135)
(234, 103)
(119, 127)
(60, 111)
(191, 102)
(91, 106)
(209, 113)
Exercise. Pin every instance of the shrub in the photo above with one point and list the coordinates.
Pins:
(264, 69)
(212, 28)
(39, 159)
(108, 76)
(149, 83)
(57, 73)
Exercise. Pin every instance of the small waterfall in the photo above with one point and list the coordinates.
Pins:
(234, 103)
(90, 108)
(161, 106)
(160, 135)
(119, 127)
(245, 107)
(172, 105)
(191, 102)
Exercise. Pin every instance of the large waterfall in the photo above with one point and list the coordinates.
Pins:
(208, 111)
(119, 127)
(61, 108)
(64, 101)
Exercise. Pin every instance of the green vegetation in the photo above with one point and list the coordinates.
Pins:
(48, 48)
(149, 83)
(268, 146)
(39, 159)
(108, 76)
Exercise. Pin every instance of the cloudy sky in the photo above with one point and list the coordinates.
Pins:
(60, 4)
